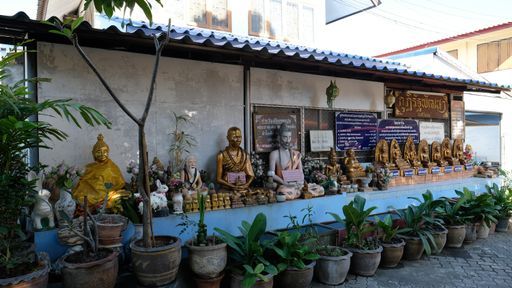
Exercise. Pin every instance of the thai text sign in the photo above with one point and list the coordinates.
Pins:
(390, 129)
(356, 131)
(432, 131)
(413, 105)
(266, 128)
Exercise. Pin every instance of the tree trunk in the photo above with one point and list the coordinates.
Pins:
(144, 190)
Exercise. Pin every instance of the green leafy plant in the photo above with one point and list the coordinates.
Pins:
(451, 211)
(428, 205)
(502, 198)
(479, 208)
(357, 225)
(182, 141)
(293, 252)
(415, 226)
(109, 6)
(248, 250)
(389, 231)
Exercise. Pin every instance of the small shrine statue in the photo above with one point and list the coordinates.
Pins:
(468, 153)
(220, 200)
(446, 152)
(437, 156)
(190, 174)
(195, 203)
(424, 154)
(215, 201)
(352, 166)
(410, 153)
(177, 201)
(396, 156)
(158, 168)
(382, 154)
(333, 170)
(458, 151)
(227, 202)
(234, 169)
(96, 175)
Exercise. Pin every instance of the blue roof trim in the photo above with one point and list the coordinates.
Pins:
(420, 52)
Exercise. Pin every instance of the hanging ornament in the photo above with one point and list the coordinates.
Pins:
(332, 92)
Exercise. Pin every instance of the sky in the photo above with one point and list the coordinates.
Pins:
(393, 25)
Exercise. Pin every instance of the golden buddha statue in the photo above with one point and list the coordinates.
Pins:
(396, 156)
(215, 202)
(458, 151)
(233, 164)
(446, 152)
(96, 175)
(437, 156)
(382, 154)
(410, 153)
(354, 169)
(423, 155)
(333, 169)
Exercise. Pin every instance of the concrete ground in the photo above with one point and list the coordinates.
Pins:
(484, 263)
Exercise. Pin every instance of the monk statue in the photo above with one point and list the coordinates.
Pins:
(234, 169)
(446, 152)
(424, 155)
(410, 153)
(333, 169)
(396, 156)
(458, 151)
(190, 174)
(100, 176)
(437, 156)
(352, 166)
(286, 165)
(382, 154)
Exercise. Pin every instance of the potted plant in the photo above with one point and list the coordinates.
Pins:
(432, 221)
(503, 198)
(481, 211)
(249, 267)
(208, 254)
(333, 264)
(418, 237)
(19, 265)
(393, 246)
(454, 220)
(366, 250)
(296, 260)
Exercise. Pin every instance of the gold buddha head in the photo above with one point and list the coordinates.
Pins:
(100, 150)
(234, 137)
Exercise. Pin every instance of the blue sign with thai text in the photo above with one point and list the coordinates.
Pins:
(395, 173)
(448, 169)
(435, 170)
(458, 168)
(356, 131)
(389, 129)
(422, 171)
(408, 172)
(469, 167)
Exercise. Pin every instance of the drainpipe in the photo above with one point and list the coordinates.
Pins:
(247, 108)
(30, 71)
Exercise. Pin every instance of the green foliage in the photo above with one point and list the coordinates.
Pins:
(415, 226)
(182, 142)
(333, 251)
(479, 208)
(451, 211)
(109, 6)
(248, 250)
(502, 198)
(356, 222)
(293, 252)
(388, 230)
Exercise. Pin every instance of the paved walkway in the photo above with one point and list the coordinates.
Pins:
(484, 263)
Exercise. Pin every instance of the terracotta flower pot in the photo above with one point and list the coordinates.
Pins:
(482, 231)
(440, 240)
(470, 233)
(413, 248)
(209, 282)
(110, 227)
(36, 279)
(332, 270)
(492, 228)
(159, 265)
(455, 236)
(297, 278)
(101, 273)
(207, 261)
(392, 253)
(236, 281)
(365, 262)
(502, 225)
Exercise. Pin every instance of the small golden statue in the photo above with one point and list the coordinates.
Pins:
(437, 155)
(188, 204)
(227, 202)
(220, 200)
(207, 203)
(458, 151)
(306, 194)
(410, 153)
(446, 150)
(423, 154)
(382, 154)
(96, 175)
(215, 201)
(195, 203)
(333, 169)
(396, 156)
(354, 169)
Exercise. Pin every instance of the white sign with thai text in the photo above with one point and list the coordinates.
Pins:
(321, 140)
(432, 131)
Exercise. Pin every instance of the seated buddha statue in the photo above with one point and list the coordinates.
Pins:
(382, 154)
(352, 166)
(423, 155)
(410, 153)
(97, 174)
(446, 152)
(437, 156)
(333, 169)
(396, 156)
(458, 151)
(286, 166)
(234, 169)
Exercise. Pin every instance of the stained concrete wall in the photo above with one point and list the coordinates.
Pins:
(212, 93)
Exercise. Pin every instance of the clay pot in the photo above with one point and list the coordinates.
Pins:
(210, 282)
(482, 231)
(455, 236)
(36, 279)
(332, 270)
(365, 262)
(492, 228)
(391, 254)
(236, 281)
(207, 261)
(297, 278)
(470, 233)
(413, 248)
(439, 240)
(97, 274)
(110, 227)
(159, 265)
(502, 225)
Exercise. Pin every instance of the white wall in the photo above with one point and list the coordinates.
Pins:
(485, 141)
(213, 93)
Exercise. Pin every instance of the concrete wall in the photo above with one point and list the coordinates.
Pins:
(211, 93)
